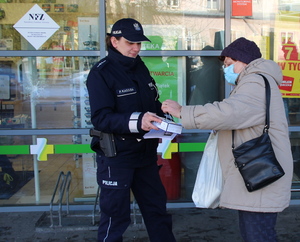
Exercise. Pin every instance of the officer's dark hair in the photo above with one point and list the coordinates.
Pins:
(108, 42)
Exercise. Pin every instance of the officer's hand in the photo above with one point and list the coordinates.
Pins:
(147, 120)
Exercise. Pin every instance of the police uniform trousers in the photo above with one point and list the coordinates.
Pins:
(257, 227)
(148, 190)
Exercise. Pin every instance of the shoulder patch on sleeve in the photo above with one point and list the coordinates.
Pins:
(101, 64)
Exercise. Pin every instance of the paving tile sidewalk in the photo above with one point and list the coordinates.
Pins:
(189, 225)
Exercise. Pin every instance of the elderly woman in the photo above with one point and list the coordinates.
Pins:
(244, 111)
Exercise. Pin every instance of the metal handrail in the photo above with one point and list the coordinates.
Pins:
(61, 176)
(136, 212)
(68, 181)
(95, 205)
(67, 178)
(63, 182)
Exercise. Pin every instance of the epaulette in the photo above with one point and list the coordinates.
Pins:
(101, 64)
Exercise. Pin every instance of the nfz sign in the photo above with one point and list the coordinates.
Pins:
(36, 16)
(36, 26)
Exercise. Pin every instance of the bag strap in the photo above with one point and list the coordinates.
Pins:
(268, 97)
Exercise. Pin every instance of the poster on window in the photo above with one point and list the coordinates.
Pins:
(241, 7)
(290, 65)
(164, 70)
(287, 54)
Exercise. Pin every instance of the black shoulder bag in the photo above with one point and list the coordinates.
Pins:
(255, 158)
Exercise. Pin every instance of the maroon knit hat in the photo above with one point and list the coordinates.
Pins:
(242, 50)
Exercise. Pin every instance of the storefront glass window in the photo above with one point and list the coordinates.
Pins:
(19, 174)
(50, 92)
(194, 24)
(274, 26)
(287, 54)
(58, 25)
(45, 92)
(295, 144)
(205, 82)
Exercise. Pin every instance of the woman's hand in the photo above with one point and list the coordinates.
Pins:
(171, 107)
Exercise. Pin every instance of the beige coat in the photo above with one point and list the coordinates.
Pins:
(244, 111)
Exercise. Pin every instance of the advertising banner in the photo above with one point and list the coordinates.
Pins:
(164, 70)
(241, 7)
(287, 52)
(290, 65)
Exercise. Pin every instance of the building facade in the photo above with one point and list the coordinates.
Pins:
(47, 48)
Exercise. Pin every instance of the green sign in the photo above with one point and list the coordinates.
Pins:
(164, 70)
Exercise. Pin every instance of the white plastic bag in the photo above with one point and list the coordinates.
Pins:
(209, 183)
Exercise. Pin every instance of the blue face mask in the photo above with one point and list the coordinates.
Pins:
(230, 75)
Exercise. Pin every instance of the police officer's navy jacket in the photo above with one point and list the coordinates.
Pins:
(121, 90)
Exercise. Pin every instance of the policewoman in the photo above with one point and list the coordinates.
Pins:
(124, 103)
